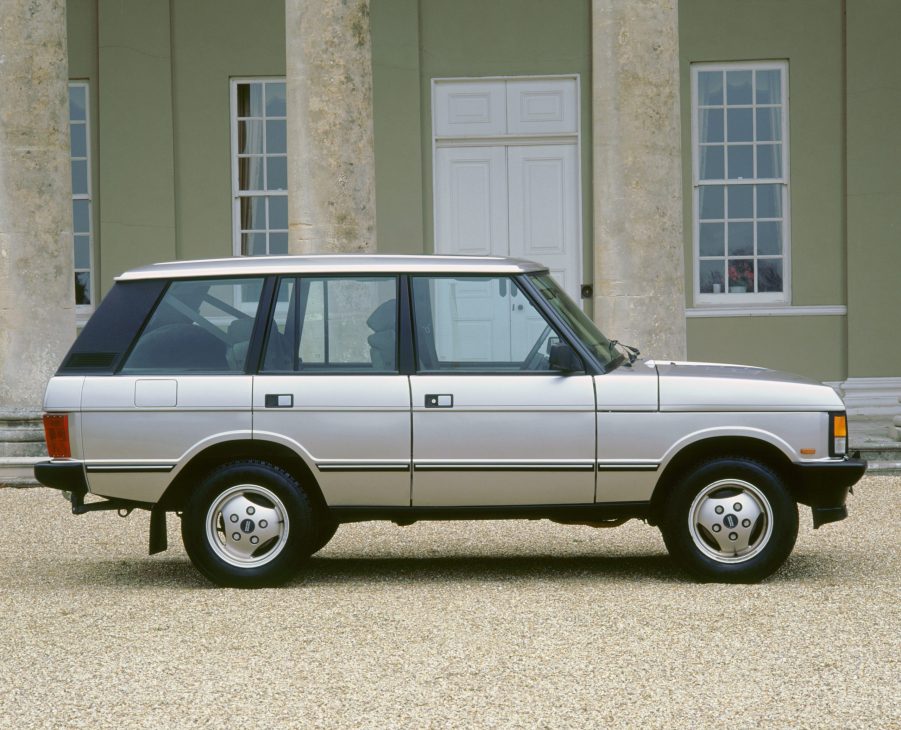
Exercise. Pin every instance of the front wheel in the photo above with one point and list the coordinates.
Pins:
(730, 520)
(247, 525)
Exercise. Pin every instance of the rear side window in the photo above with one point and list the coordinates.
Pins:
(199, 326)
(334, 324)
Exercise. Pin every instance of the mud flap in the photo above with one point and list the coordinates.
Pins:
(158, 539)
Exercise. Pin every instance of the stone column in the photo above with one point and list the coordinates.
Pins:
(331, 163)
(37, 300)
(638, 247)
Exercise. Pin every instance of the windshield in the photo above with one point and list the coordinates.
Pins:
(581, 325)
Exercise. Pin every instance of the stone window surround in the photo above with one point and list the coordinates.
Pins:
(734, 301)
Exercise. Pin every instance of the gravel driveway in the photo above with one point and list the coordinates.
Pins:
(493, 624)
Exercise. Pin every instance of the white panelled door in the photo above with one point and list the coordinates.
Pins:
(507, 173)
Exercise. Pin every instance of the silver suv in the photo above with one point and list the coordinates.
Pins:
(268, 400)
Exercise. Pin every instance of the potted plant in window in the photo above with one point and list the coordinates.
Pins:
(741, 277)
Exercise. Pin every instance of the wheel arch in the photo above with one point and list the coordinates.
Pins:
(203, 462)
(708, 448)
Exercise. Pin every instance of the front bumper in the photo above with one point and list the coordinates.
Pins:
(64, 474)
(824, 486)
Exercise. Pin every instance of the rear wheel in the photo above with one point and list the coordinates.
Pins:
(248, 525)
(730, 520)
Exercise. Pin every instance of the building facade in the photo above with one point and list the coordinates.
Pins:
(711, 178)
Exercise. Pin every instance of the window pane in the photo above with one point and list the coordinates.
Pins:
(712, 167)
(741, 239)
(275, 99)
(712, 239)
(769, 201)
(477, 324)
(741, 201)
(82, 287)
(77, 111)
(250, 137)
(711, 276)
(711, 126)
(79, 177)
(769, 124)
(741, 276)
(199, 326)
(253, 244)
(276, 173)
(769, 87)
(769, 238)
(250, 100)
(348, 325)
(276, 134)
(738, 87)
(81, 216)
(278, 212)
(741, 164)
(770, 275)
(278, 244)
(769, 160)
(83, 252)
(78, 140)
(711, 202)
(710, 88)
(253, 213)
(740, 125)
(250, 173)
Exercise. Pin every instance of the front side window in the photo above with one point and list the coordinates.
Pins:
(82, 214)
(334, 325)
(740, 141)
(478, 323)
(259, 167)
(199, 326)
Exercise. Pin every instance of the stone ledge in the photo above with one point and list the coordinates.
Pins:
(18, 471)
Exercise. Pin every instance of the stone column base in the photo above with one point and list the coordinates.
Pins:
(21, 445)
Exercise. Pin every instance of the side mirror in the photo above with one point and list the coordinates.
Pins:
(563, 358)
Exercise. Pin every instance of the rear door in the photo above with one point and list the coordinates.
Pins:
(329, 386)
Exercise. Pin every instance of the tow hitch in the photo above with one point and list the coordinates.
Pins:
(158, 538)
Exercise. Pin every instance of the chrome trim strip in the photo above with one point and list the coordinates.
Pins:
(128, 468)
(550, 466)
(333, 466)
(628, 466)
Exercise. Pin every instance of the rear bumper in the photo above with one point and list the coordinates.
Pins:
(824, 486)
(64, 474)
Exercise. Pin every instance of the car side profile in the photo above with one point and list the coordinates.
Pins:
(266, 401)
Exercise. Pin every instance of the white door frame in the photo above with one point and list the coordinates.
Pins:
(508, 140)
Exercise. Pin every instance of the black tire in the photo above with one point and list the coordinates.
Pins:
(324, 530)
(270, 521)
(730, 505)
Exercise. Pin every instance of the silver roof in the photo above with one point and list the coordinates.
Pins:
(332, 264)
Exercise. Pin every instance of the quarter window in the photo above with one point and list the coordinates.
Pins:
(199, 326)
(740, 136)
(334, 324)
(478, 324)
(82, 213)
(259, 167)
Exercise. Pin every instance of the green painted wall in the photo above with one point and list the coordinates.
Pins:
(397, 124)
(212, 42)
(874, 187)
(414, 42)
(809, 36)
(135, 156)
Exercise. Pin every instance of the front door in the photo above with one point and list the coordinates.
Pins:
(494, 426)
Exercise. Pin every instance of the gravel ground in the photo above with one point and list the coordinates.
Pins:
(493, 624)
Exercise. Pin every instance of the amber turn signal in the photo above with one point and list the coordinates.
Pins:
(840, 426)
(56, 433)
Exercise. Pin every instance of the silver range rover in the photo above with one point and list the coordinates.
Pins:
(266, 401)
